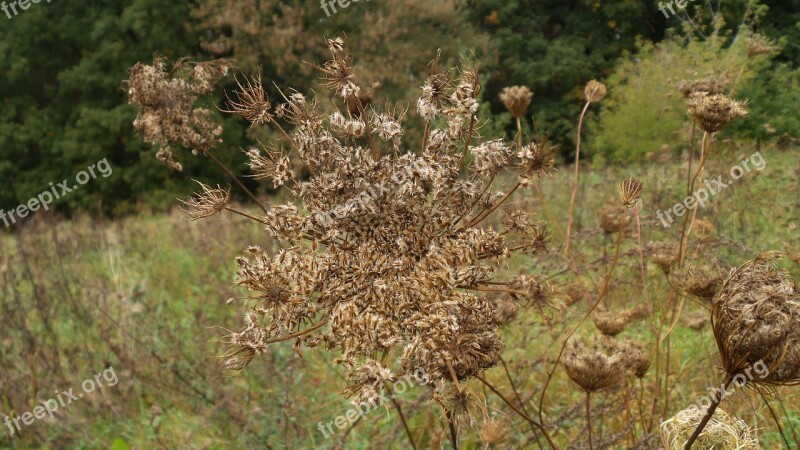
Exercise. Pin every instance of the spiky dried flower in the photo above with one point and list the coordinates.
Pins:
(464, 408)
(714, 112)
(756, 318)
(595, 91)
(388, 252)
(274, 166)
(723, 432)
(630, 191)
(251, 101)
(536, 161)
(167, 116)
(516, 99)
(599, 366)
(337, 74)
(207, 204)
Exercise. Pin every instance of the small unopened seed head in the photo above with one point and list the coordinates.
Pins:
(595, 91)
(516, 99)
(630, 191)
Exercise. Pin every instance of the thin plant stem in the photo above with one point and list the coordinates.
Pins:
(791, 423)
(709, 414)
(405, 424)
(777, 421)
(520, 413)
(589, 418)
(684, 238)
(516, 393)
(235, 180)
(453, 431)
(575, 181)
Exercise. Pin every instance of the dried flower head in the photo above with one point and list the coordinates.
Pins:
(207, 204)
(638, 360)
(756, 317)
(388, 251)
(714, 112)
(595, 91)
(610, 323)
(758, 44)
(599, 366)
(516, 99)
(251, 101)
(723, 432)
(702, 281)
(696, 320)
(630, 191)
(664, 255)
(494, 431)
(614, 217)
(711, 86)
(167, 115)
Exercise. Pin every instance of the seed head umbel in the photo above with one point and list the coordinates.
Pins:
(756, 317)
(595, 91)
(516, 99)
(713, 112)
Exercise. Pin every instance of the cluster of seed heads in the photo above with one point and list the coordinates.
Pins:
(389, 261)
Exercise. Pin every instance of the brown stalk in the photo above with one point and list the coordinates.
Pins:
(710, 413)
(575, 181)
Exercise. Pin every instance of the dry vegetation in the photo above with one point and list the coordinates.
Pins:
(549, 309)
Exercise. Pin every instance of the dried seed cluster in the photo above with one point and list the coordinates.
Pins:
(388, 262)
(167, 114)
(713, 112)
(604, 364)
(756, 317)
